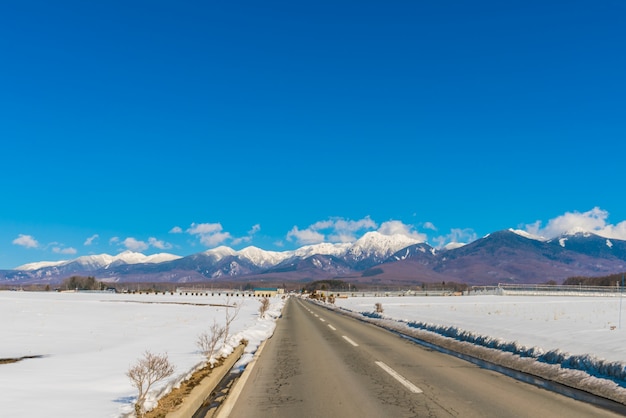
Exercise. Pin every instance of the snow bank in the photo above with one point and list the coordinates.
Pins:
(581, 336)
(88, 341)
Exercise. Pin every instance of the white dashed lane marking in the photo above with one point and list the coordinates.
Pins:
(350, 341)
(407, 384)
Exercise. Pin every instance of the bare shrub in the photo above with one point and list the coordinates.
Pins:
(265, 305)
(378, 307)
(145, 373)
(207, 341)
(231, 313)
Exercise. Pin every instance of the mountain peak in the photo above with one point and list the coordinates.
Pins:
(220, 252)
(527, 234)
(263, 258)
(378, 246)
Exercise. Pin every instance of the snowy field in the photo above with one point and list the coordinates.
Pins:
(585, 330)
(88, 341)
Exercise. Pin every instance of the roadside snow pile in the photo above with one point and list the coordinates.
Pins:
(77, 347)
(257, 333)
(573, 333)
(613, 370)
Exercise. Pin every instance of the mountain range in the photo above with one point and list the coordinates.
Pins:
(506, 256)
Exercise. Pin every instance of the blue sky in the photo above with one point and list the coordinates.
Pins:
(162, 126)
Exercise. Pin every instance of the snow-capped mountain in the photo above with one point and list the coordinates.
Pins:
(374, 248)
(325, 248)
(100, 261)
(262, 258)
(420, 251)
(591, 244)
(504, 256)
(527, 234)
(39, 265)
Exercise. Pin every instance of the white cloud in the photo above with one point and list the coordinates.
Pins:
(305, 237)
(215, 239)
(333, 230)
(200, 229)
(162, 245)
(91, 239)
(255, 228)
(26, 241)
(209, 235)
(456, 235)
(342, 237)
(114, 240)
(594, 221)
(176, 230)
(60, 250)
(430, 225)
(134, 244)
(399, 228)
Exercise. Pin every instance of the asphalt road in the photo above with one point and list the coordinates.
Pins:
(323, 364)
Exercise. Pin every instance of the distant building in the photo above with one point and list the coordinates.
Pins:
(268, 292)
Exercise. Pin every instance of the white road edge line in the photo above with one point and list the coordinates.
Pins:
(227, 406)
(350, 341)
(331, 327)
(410, 386)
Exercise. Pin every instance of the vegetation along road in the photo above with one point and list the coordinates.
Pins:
(322, 364)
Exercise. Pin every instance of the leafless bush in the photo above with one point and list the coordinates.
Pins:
(146, 372)
(265, 305)
(231, 313)
(379, 307)
(207, 341)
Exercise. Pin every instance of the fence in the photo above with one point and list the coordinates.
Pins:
(552, 290)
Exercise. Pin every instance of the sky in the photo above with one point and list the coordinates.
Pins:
(162, 126)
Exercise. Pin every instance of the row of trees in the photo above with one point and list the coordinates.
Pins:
(82, 283)
(610, 280)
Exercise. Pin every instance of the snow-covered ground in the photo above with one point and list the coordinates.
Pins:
(88, 341)
(583, 332)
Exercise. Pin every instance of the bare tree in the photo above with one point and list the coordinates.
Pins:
(230, 316)
(207, 341)
(146, 372)
(265, 305)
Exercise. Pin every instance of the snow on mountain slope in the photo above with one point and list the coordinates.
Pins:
(527, 234)
(453, 245)
(220, 252)
(160, 258)
(325, 248)
(375, 244)
(126, 257)
(94, 262)
(39, 265)
(372, 244)
(264, 258)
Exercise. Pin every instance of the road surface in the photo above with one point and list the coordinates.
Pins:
(322, 364)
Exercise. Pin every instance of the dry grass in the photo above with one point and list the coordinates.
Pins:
(16, 359)
(170, 401)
